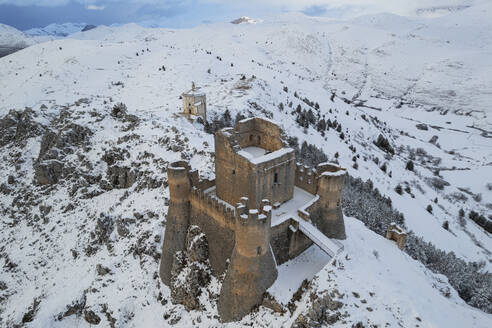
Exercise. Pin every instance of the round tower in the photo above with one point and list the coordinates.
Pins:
(329, 216)
(252, 269)
(178, 216)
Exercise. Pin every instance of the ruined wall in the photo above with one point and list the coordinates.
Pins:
(252, 269)
(258, 132)
(189, 106)
(306, 178)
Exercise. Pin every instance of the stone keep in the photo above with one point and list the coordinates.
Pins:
(194, 102)
(255, 173)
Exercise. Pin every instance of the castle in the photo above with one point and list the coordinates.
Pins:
(194, 102)
(262, 210)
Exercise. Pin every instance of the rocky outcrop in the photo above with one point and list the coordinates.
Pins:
(50, 165)
(323, 311)
(121, 177)
(18, 126)
(191, 270)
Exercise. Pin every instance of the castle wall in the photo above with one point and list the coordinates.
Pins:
(287, 243)
(258, 132)
(220, 240)
(282, 169)
(234, 179)
(252, 269)
(306, 178)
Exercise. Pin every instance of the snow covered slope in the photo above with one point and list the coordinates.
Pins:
(423, 84)
(12, 40)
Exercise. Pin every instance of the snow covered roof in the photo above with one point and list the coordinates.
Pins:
(334, 174)
(253, 155)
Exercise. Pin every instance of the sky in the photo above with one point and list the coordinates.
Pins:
(25, 14)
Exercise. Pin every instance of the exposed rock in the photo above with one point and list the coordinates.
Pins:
(91, 317)
(114, 155)
(4, 189)
(121, 228)
(272, 304)
(31, 313)
(49, 166)
(121, 177)
(17, 126)
(11, 179)
(324, 310)
(76, 307)
(422, 126)
(49, 172)
(104, 228)
(191, 270)
(102, 270)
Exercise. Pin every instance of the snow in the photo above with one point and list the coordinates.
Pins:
(289, 209)
(13, 38)
(270, 156)
(252, 152)
(293, 272)
(334, 174)
(56, 30)
(376, 61)
(257, 155)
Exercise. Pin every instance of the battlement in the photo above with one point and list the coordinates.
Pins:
(248, 216)
(214, 207)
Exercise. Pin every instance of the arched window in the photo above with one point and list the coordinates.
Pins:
(258, 138)
(258, 250)
(275, 177)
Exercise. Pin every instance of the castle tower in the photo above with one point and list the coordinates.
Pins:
(252, 269)
(194, 102)
(328, 217)
(178, 216)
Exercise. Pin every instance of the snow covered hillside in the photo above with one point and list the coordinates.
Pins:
(12, 40)
(374, 93)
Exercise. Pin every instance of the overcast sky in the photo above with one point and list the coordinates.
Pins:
(25, 14)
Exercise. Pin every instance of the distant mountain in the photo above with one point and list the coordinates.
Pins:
(59, 30)
(244, 19)
(12, 40)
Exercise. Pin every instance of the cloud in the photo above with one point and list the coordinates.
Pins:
(94, 7)
(351, 7)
